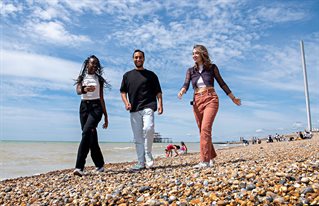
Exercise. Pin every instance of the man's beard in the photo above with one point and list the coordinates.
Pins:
(139, 66)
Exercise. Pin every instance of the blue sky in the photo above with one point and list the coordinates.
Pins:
(256, 45)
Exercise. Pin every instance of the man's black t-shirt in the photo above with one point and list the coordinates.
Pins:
(142, 86)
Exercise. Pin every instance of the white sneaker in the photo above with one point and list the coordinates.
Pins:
(201, 165)
(136, 167)
(78, 172)
(149, 160)
(150, 163)
(211, 163)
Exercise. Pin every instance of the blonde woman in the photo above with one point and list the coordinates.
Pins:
(205, 103)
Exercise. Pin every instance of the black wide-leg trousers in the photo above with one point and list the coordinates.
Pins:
(90, 116)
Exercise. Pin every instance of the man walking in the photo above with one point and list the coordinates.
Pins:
(144, 97)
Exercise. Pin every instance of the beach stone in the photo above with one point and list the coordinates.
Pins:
(178, 182)
(250, 187)
(291, 178)
(196, 175)
(282, 182)
(195, 201)
(205, 183)
(172, 198)
(190, 184)
(221, 202)
(8, 189)
(250, 175)
(315, 186)
(242, 185)
(152, 202)
(279, 200)
(140, 199)
(144, 188)
(307, 190)
(297, 185)
(280, 174)
(304, 180)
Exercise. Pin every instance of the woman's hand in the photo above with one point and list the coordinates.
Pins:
(237, 101)
(180, 93)
(106, 123)
(89, 88)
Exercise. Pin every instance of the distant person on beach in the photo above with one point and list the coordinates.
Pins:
(308, 134)
(183, 149)
(205, 102)
(144, 97)
(270, 139)
(301, 136)
(90, 85)
(245, 142)
(170, 148)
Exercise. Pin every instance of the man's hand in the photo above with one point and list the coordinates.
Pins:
(128, 106)
(160, 109)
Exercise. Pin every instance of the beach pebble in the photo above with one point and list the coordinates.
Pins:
(307, 190)
(304, 180)
(283, 173)
(8, 189)
(250, 187)
(144, 188)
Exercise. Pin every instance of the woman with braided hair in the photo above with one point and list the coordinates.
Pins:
(90, 85)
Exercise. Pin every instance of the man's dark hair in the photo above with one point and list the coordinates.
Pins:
(137, 50)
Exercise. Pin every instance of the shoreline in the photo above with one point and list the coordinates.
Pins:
(267, 173)
(34, 158)
(133, 161)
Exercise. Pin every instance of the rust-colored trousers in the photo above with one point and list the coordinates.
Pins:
(205, 108)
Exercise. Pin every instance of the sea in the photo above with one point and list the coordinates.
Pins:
(27, 158)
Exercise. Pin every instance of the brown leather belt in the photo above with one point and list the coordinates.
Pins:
(204, 90)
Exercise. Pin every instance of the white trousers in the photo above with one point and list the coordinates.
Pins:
(142, 123)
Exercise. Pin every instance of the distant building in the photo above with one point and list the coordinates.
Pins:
(159, 139)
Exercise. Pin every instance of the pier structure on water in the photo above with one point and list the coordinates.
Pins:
(159, 139)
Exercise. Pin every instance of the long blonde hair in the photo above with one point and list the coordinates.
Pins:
(204, 54)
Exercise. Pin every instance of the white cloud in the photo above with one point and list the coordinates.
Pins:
(9, 9)
(259, 130)
(38, 66)
(49, 13)
(55, 32)
(280, 14)
(297, 125)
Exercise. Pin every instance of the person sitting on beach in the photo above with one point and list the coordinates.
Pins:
(169, 150)
(245, 142)
(301, 136)
(307, 135)
(270, 139)
(183, 149)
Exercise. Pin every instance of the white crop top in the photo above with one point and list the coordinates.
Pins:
(91, 80)
(200, 83)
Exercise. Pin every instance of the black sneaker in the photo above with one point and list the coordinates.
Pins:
(100, 169)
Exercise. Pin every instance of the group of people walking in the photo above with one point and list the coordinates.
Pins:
(141, 94)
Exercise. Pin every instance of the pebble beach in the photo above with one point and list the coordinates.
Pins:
(279, 173)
